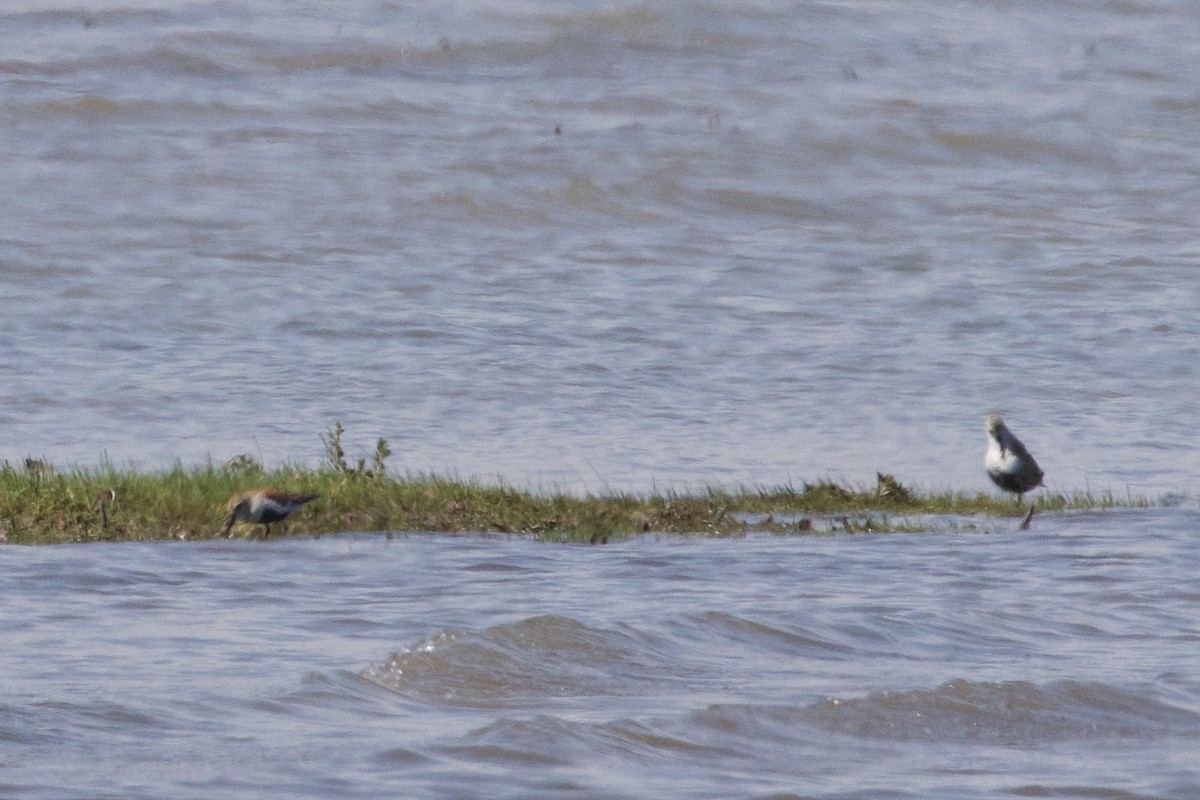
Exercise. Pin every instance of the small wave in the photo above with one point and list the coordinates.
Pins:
(548, 740)
(88, 106)
(769, 204)
(101, 109)
(763, 637)
(1008, 713)
(161, 61)
(527, 661)
(101, 717)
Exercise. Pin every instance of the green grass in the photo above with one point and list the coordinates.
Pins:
(39, 504)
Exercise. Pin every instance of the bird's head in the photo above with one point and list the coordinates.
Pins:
(238, 507)
(995, 423)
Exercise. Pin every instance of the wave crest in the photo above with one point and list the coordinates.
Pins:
(528, 660)
(1008, 713)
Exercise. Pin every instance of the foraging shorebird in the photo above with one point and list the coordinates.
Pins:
(1008, 463)
(264, 506)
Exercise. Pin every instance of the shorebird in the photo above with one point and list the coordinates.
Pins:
(1008, 463)
(264, 506)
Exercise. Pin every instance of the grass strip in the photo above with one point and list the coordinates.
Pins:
(40, 504)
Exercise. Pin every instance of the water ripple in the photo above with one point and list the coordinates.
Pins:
(1016, 713)
(528, 661)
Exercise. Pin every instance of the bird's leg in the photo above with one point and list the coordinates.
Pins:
(1028, 517)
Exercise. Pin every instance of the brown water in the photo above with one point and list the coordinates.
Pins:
(1059, 663)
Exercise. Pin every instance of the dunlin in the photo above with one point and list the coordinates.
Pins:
(1008, 463)
(264, 506)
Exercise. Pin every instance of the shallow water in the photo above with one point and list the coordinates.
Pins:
(772, 241)
(607, 246)
(1058, 663)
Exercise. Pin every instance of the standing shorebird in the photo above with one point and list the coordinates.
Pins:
(1008, 463)
(264, 506)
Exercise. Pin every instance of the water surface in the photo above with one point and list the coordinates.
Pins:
(1058, 663)
(593, 246)
(590, 247)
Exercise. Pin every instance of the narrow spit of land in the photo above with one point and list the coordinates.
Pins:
(42, 505)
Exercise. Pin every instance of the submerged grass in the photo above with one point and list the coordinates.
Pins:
(39, 504)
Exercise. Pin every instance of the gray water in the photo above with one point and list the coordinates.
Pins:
(592, 247)
(773, 241)
(1056, 664)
